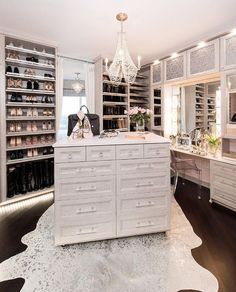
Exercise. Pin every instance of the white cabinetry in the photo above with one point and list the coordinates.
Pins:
(108, 191)
(223, 184)
(228, 52)
(175, 68)
(157, 73)
(203, 60)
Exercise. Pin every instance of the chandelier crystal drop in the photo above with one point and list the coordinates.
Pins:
(122, 65)
(76, 85)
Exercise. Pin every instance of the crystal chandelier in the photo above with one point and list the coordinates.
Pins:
(76, 85)
(122, 65)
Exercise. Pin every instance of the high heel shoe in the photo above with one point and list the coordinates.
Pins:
(12, 142)
(29, 84)
(28, 140)
(19, 112)
(13, 97)
(34, 112)
(34, 127)
(29, 127)
(19, 97)
(10, 83)
(44, 126)
(35, 152)
(18, 127)
(36, 85)
(29, 112)
(29, 152)
(13, 112)
(12, 128)
(49, 126)
(35, 140)
(18, 141)
(18, 83)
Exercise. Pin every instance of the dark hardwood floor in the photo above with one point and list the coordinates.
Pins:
(214, 225)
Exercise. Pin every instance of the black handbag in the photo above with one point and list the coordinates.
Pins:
(94, 121)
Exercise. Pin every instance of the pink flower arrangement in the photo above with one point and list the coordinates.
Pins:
(137, 114)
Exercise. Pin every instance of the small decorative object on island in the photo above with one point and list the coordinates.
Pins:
(139, 116)
(213, 144)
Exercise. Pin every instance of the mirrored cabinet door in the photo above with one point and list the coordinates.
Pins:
(228, 52)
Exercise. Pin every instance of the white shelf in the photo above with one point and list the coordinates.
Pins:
(137, 88)
(30, 64)
(113, 83)
(114, 103)
(34, 158)
(138, 101)
(30, 91)
(25, 118)
(22, 147)
(28, 104)
(31, 52)
(114, 94)
(114, 116)
(27, 133)
(138, 95)
(28, 195)
(33, 77)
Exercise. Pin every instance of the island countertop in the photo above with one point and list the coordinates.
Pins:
(119, 140)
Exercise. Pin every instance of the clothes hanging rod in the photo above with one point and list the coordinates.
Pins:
(76, 59)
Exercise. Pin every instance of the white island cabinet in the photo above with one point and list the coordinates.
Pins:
(111, 187)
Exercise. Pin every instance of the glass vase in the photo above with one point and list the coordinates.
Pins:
(212, 149)
(140, 126)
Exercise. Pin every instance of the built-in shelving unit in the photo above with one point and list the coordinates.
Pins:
(28, 118)
(157, 108)
(113, 100)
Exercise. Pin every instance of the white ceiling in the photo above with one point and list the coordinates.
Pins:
(85, 29)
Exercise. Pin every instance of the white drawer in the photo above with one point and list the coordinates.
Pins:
(222, 196)
(225, 183)
(75, 188)
(85, 210)
(75, 232)
(100, 153)
(142, 183)
(84, 169)
(73, 154)
(142, 165)
(129, 151)
(148, 224)
(132, 207)
(224, 169)
(156, 150)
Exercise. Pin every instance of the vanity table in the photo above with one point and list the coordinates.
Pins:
(111, 187)
(218, 174)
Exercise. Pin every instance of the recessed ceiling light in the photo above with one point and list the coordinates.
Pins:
(174, 55)
(233, 31)
(156, 62)
(201, 44)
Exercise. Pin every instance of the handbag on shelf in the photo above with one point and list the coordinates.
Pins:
(93, 120)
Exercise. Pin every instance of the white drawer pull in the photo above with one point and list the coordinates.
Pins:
(70, 156)
(149, 184)
(89, 210)
(147, 204)
(80, 189)
(100, 154)
(144, 224)
(144, 166)
(86, 231)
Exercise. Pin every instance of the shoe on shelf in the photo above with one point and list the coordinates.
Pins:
(10, 82)
(35, 140)
(29, 152)
(29, 84)
(18, 127)
(18, 83)
(20, 154)
(34, 127)
(13, 97)
(8, 69)
(27, 99)
(13, 155)
(29, 112)
(19, 97)
(12, 142)
(51, 150)
(50, 139)
(18, 141)
(49, 126)
(35, 152)
(34, 99)
(19, 112)
(13, 112)
(16, 70)
(35, 112)
(36, 85)
(45, 112)
(44, 126)
(45, 151)
(12, 128)
(43, 99)
(29, 127)
(28, 140)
